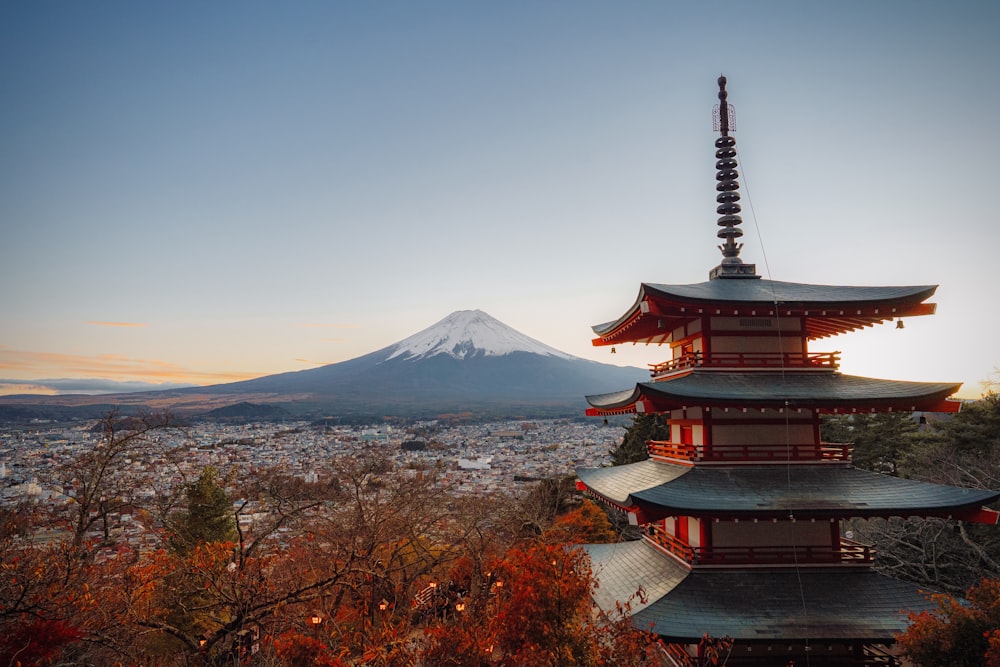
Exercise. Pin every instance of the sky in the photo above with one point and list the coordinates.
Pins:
(197, 193)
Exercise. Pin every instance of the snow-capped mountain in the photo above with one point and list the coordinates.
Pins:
(469, 332)
(468, 363)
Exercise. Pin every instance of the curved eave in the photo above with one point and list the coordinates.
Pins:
(807, 491)
(616, 484)
(733, 389)
(827, 309)
(751, 605)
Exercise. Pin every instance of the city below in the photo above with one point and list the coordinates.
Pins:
(489, 457)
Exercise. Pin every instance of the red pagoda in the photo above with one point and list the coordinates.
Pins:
(742, 508)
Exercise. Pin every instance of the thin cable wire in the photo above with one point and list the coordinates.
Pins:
(788, 440)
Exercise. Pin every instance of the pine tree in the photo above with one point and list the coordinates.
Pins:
(208, 517)
(645, 427)
(881, 440)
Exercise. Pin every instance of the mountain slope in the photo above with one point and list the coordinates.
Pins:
(467, 360)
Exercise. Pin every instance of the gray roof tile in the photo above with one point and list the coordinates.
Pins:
(752, 605)
(770, 490)
(777, 389)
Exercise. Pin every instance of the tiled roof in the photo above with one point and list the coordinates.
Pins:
(633, 573)
(752, 605)
(773, 389)
(806, 490)
(788, 294)
(617, 483)
(765, 292)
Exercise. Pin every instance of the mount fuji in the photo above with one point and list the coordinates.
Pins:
(469, 362)
(467, 333)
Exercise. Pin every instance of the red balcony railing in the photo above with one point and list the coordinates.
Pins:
(847, 552)
(775, 360)
(662, 449)
(766, 453)
(668, 542)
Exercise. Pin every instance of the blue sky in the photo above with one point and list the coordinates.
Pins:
(204, 192)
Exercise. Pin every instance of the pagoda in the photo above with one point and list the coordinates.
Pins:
(742, 509)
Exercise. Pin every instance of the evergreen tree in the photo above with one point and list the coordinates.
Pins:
(208, 517)
(645, 427)
(881, 439)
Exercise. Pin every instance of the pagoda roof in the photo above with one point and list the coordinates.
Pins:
(617, 483)
(752, 605)
(827, 309)
(827, 390)
(775, 491)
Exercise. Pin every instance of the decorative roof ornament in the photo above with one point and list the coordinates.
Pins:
(728, 198)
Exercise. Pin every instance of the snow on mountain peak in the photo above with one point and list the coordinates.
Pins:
(466, 333)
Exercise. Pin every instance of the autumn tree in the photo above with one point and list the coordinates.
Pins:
(958, 633)
(543, 502)
(539, 614)
(36, 643)
(43, 589)
(586, 524)
(95, 481)
(352, 550)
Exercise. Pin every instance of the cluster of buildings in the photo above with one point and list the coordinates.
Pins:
(472, 458)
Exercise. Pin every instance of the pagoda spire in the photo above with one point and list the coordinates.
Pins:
(728, 198)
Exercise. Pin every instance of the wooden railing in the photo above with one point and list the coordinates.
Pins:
(677, 656)
(847, 552)
(666, 541)
(768, 452)
(662, 449)
(773, 360)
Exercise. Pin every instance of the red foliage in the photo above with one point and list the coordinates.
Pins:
(539, 614)
(958, 633)
(295, 648)
(36, 642)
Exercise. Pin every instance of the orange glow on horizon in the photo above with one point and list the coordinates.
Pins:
(27, 367)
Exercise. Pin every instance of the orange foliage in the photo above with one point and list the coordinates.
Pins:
(538, 614)
(958, 633)
(587, 524)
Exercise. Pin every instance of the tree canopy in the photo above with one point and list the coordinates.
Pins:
(633, 447)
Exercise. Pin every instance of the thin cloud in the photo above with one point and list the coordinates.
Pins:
(87, 386)
(314, 363)
(109, 367)
(117, 324)
(335, 340)
(13, 388)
